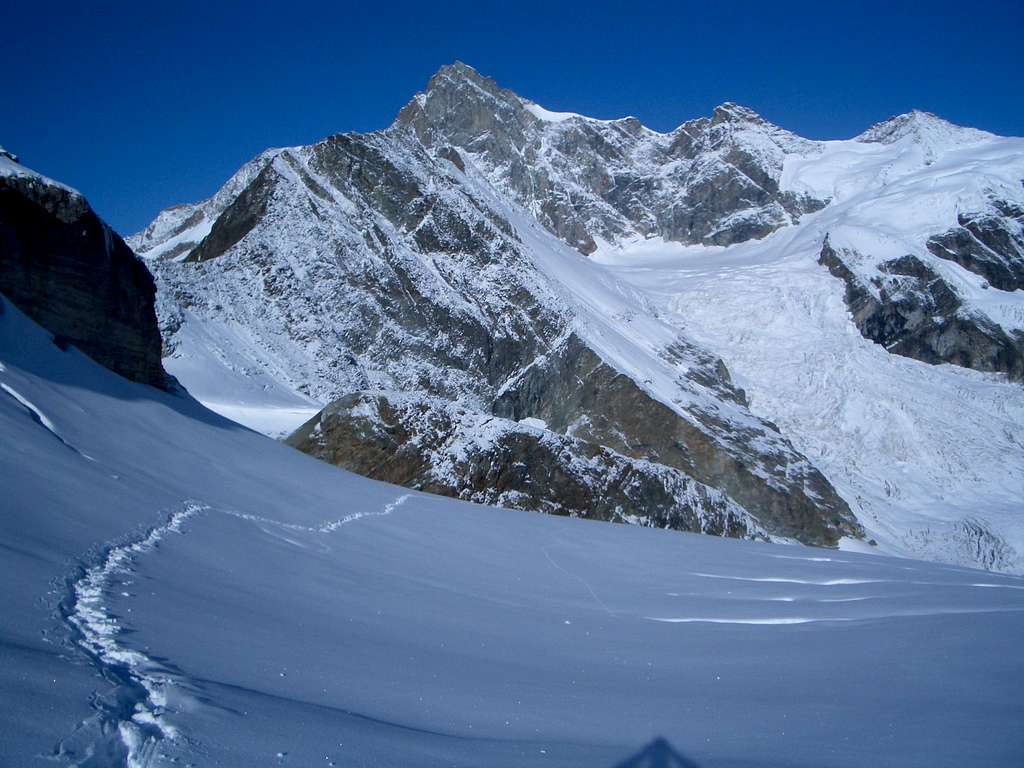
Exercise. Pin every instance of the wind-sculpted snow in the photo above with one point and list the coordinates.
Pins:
(307, 616)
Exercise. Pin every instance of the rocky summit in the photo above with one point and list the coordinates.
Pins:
(499, 302)
(712, 180)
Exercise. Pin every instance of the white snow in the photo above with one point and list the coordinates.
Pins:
(203, 595)
(547, 115)
(29, 406)
(225, 369)
(558, 117)
(9, 167)
(535, 423)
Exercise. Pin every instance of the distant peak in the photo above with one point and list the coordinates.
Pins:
(458, 72)
(459, 68)
(459, 101)
(923, 126)
(730, 112)
(460, 82)
(9, 155)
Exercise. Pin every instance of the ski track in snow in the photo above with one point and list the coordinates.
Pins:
(388, 509)
(328, 527)
(783, 580)
(786, 620)
(131, 719)
(768, 621)
(580, 579)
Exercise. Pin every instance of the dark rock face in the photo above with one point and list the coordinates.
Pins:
(713, 181)
(238, 219)
(412, 289)
(910, 310)
(433, 446)
(990, 244)
(577, 393)
(68, 271)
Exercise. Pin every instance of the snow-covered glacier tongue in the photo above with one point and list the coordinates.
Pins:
(899, 379)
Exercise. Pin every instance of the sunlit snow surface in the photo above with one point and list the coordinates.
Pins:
(201, 594)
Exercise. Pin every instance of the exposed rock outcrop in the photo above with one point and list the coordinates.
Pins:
(909, 309)
(67, 270)
(988, 243)
(438, 447)
(575, 392)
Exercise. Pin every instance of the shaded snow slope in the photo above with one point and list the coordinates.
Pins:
(230, 372)
(199, 594)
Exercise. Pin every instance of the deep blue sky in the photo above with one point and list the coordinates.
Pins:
(143, 105)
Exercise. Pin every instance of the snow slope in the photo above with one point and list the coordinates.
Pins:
(217, 361)
(182, 591)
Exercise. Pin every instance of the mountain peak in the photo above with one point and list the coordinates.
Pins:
(459, 105)
(730, 112)
(457, 70)
(458, 75)
(924, 127)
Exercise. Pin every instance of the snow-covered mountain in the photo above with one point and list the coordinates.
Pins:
(712, 180)
(440, 259)
(372, 263)
(180, 590)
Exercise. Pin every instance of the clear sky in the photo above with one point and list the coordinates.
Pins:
(143, 105)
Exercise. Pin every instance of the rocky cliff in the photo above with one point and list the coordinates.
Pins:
(713, 180)
(908, 308)
(67, 270)
(435, 446)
